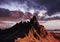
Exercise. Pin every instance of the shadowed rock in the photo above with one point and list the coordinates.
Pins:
(22, 29)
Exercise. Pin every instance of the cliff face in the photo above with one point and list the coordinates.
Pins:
(27, 32)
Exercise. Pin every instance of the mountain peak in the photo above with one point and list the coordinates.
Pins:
(34, 18)
(23, 29)
(27, 31)
(26, 26)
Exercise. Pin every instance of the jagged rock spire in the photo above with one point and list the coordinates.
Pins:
(34, 20)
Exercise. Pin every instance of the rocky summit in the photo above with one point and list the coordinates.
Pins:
(30, 31)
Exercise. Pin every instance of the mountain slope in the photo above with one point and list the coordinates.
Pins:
(37, 33)
(27, 32)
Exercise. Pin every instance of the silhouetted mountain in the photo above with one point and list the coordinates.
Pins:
(20, 30)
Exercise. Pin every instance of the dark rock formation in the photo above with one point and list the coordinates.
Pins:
(20, 29)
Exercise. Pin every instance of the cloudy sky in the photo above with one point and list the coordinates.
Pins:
(45, 9)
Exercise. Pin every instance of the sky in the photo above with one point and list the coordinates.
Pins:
(16, 10)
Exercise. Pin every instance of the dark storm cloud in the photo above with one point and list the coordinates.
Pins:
(4, 12)
(52, 6)
(4, 2)
(30, 3)
(9, 1)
